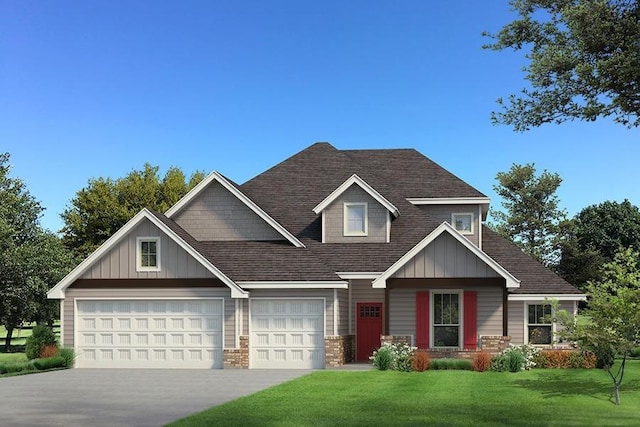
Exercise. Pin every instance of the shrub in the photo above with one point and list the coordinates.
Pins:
(49, 363)
(540, 359)
(68, 355)
(516, 361)
(635, 352)
(558, 358)
(515, 358)
(421, 360)
(451, 364)
(481, 361)
(10, 368)
(49, 350)
(589, 360)
(401, 357)
(382, 358)
(41, 336)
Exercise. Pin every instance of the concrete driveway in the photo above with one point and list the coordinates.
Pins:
(125, 397)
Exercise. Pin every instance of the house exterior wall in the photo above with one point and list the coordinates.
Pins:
(343, 311)
(402, 308)
(445, 257)
(334, 218)
(361, 291)
(216, 214)
(443, 213)
(121, 292)
(518, 321)
(121, 261)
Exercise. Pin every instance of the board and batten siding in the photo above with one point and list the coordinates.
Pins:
(327, 294)
(148, 293)
(120, 261)
(216, 214)
(334, 218)
(445, 257)
(402, 309)
(361, 291)
(442, 213)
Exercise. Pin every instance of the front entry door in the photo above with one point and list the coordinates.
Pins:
(368, 329)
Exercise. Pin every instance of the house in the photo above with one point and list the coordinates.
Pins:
(311, 264)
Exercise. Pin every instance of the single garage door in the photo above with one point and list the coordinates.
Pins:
(149, 333)
(287, 333)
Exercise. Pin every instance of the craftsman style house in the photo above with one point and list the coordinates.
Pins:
(310, 264)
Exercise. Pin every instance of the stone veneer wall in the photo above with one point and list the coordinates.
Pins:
(494, 343)
(339, 350)
(237, 357)
(396, 339)
(489, 343)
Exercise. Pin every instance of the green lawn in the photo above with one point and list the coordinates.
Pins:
(19, 337)
(543, 397)
(12, 357)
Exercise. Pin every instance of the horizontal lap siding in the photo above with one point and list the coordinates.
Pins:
(361, 291)
(334, 218)
(516, 322)
(402, 309)
(120, 262)
(343, 311)
(442, 213)
(72, 294)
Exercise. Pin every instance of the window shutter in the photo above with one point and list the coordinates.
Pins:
(422, 319)
(470, 320)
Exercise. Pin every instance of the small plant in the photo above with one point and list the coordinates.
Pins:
(48, 363)
(401, 357)
(421, 361)
(41, 336)
(382, 358)
(635, 352)
(516, 361)
(49, 350)
(68, 355)
(515, 358)
(451, 364)
(481, 361)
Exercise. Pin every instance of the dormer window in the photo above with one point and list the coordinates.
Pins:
(462, 222)
(355, 219)
(148, 254)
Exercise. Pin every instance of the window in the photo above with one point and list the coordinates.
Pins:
(446, 320)
(148, 252)
(355, 219)
(463, 222)
(539, 324)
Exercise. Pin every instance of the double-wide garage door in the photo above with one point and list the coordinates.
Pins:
(287, 333)
(149, 333)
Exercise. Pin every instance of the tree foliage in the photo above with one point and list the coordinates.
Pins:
(32, 260)
(105, 205)
(595, 236)
(532, 218)
(583, 61)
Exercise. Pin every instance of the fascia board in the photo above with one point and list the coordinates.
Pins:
(294, 285)
(542, 297)
(355, 179)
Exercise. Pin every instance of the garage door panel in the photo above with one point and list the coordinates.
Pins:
(150, 334)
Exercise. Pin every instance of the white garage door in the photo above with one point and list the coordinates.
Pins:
(287, 334)
(149, 333)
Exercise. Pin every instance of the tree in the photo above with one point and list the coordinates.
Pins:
(584, 61)
(105, 205)
(595, 236)
(532, 218)
(32, 260)
(614, 311)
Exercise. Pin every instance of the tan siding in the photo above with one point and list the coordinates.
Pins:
(441, 213)
(150, 293)
(334, 218)
(302, 293)
(343, 311)
(516, 322)
(445, 257)
(361, 291)
(120, 262)
(402, 309)
(216, 214)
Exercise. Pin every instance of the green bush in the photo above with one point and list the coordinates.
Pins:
(41, 336)
(68, 355)
(401, 356)
(515, 358)
(11, 368)
(49, 363)
(383, 358)
(516, 361)
(451, 364)
(635, 352)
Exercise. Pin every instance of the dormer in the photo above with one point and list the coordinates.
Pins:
(356, 213)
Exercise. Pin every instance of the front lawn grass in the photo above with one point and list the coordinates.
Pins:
(12, 358)
(542, 397)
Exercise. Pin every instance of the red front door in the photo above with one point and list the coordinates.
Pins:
(368, 329)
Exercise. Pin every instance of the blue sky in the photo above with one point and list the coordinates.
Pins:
(90, 89)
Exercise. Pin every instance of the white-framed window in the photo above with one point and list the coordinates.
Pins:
(148, 253)
(355, 219)
(539, 324)
(462, 222)
(446, 318)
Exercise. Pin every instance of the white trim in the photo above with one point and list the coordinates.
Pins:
(61, 323)
(388, 227)
(432, 325)
(139, 240)
(542, 297)
(350, 314)
(482, 201)
(364, 275)
(365, 219)
(238, 316)
(324, 227)
(335, 311)
(57, 292)
(355, 179)
(215, 176)
(463, 214)
(480, 227)
(511, 281)
(295, 285)
(526, 322)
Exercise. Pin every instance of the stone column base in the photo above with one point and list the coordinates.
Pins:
(237, 357)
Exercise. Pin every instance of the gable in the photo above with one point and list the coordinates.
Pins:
(216, 214)
(120, 262)
(445, 257)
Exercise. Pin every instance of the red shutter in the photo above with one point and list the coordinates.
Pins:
(422, 319)
(470, 320)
